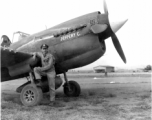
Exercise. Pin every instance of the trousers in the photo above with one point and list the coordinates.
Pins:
(51, 80)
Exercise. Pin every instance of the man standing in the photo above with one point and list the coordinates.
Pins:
(47, 69)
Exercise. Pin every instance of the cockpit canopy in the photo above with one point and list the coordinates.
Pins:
(19, 36)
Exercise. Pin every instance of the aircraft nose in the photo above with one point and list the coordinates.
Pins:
(115, 26)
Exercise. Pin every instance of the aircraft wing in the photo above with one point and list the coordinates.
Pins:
(15, 64)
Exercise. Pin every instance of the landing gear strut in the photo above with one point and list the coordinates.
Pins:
(71, 88)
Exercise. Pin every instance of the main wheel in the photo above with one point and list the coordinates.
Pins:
(31, 95)
(73, 90)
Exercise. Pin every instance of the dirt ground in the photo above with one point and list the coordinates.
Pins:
(116, 97)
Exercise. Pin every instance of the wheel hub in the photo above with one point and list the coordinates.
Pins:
(71, 89)
(29, 96)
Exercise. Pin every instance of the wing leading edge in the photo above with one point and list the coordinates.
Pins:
(15, 64)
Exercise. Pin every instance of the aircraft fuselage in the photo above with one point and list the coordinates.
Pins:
(74, 45)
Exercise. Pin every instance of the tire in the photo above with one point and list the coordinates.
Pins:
(31, 95)
(74, 89)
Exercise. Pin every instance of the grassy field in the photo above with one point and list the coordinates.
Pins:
(98, 101)
(112, 74)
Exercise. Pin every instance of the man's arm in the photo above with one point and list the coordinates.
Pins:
(51, 62)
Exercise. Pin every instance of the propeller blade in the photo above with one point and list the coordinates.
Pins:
(105, 7)
(118, 47)
(113, 28)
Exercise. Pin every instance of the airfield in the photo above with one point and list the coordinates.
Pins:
(119, 96)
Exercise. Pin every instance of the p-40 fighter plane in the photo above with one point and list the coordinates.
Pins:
(75, 43)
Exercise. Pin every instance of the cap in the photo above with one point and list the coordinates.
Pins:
(44, 46)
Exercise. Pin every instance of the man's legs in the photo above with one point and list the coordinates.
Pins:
(51, 81)
(38, 73)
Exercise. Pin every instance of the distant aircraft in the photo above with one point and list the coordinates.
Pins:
(74, 43)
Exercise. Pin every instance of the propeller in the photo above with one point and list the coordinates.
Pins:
(112, 29)
(114, 37)
(105, 7)
(118, 47)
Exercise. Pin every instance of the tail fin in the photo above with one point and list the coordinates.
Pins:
(5, 41)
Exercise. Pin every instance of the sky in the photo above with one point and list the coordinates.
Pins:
(32, 16)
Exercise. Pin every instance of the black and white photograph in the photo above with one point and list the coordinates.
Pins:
(76, 59)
